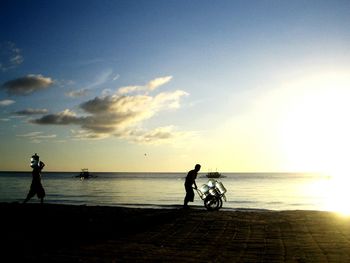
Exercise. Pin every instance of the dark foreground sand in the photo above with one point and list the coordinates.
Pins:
(61, 233)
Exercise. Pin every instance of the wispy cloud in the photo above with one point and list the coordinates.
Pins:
(30, 134)
(27, 85)
(116, 77)
(10, 56)
(31, 111)
(100, 80)
(37, 137)
(4, 103)
(88, 135)
(155, 136)
(118, 115)
(150, 86)
(77, 93)
(153, 84)
(90, 61)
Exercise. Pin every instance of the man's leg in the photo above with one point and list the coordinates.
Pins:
(186, 201)
(189, 196)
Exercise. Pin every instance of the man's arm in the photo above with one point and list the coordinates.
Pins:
(194, 180)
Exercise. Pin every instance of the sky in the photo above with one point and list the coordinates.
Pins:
(158, 86)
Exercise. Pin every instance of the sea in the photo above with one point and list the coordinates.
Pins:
(271, 191)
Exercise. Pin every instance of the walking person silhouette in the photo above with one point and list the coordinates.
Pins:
(191, 180)
(36, 188)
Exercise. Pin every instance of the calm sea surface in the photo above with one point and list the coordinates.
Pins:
(275, 191)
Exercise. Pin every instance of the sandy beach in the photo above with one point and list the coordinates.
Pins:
(64, 233)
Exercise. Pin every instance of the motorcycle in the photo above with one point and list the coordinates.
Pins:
(212, 193)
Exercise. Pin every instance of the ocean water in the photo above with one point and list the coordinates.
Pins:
(273, 191)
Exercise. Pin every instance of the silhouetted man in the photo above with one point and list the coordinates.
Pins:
(191, 180)
(36, 187)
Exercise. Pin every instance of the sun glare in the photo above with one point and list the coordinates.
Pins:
(315, 130)
(315, 134)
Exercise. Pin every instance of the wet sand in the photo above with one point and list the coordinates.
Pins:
(62, 233)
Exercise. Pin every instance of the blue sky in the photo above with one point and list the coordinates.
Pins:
(100, 84)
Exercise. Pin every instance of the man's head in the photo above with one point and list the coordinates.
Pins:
(197, 167)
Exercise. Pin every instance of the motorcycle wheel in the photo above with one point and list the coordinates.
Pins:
(212, 203)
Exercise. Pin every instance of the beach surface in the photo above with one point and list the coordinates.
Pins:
(66, 233)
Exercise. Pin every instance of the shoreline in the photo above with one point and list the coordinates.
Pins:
(164, 206)
(69, 233)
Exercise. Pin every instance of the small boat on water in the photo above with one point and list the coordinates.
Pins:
(84, 174)
(213, 175)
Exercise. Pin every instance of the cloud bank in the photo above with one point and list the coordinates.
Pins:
(26, 85)
(120, 114)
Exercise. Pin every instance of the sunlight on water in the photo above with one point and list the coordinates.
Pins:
(333, 193)
(339, 195)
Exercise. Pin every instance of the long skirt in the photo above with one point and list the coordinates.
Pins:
(36, 188)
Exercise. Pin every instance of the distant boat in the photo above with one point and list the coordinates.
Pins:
(213, 175)
(84, 174)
